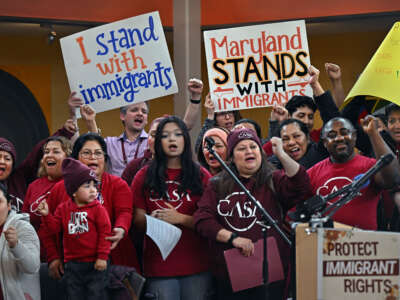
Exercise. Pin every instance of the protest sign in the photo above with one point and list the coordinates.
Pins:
(120, 63)
(257, 66)
(358, 264)
(381, 77)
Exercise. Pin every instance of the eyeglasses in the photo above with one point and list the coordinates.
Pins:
(331, 135)
(89, 154)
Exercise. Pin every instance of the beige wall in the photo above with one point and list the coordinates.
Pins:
(40, 67)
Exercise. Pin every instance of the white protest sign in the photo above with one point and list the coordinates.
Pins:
(257, 66)
(358, 265)
(120, 63)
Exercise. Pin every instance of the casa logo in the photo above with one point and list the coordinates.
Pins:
(239, 214)
(5, 147)
(245, 135)
(173, 196)
(78, 223)
(333, 185)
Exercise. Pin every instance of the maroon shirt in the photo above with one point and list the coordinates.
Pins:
(190, 254)
(236, 213)
(26, 172)
(135, 165)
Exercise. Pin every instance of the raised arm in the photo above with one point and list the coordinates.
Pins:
(389, 175)
(278, 115)
(289, 164)
(335, 76)
(195, 87)
(89, 115)
(208, 123)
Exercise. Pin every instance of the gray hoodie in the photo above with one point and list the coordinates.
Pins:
(19, 266)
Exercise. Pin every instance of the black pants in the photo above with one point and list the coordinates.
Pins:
(84, 282)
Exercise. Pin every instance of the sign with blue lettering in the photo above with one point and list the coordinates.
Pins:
(120, 63)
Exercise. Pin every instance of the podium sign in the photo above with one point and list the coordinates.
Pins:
(355, 264)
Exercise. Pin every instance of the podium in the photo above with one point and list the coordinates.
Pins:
(346, 263)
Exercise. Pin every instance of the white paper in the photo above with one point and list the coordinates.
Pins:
(165, 235)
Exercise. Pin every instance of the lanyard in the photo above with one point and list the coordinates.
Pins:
(123, 150)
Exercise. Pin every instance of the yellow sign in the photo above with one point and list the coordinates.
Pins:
(381, 77)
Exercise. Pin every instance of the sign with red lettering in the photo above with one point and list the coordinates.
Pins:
(257, 66)
(358, 264)
(120, 63)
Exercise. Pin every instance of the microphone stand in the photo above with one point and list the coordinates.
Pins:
(349, 192)
(267, 218)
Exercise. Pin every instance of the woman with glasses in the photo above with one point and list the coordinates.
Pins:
(168, 189)
(115, 196)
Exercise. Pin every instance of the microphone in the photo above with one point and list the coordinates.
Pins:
(210, 142)
(317, 203)
(362, 181)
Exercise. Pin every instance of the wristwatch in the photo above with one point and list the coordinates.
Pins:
(234, 235)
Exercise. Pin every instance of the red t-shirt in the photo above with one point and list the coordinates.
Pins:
(190, 255)
(84, 230)
(327, 177)
(116, 197)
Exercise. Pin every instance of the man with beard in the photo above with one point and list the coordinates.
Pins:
(343, 165)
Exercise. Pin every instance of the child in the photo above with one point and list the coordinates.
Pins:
(85, 225)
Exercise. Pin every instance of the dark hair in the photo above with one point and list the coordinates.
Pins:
(252, 122)
(337, 119)
(300, 101)
(3, 188)
(224, 184)
(89, 137)
(236, 115)
(190, 176)
(382, 117)
(303, 127)
(389, 109)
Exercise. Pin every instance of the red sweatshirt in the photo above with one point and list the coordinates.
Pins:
(37, 192)
(236, 213)
(26, 172)
(190, 255)
(84, 230)
(117, 200)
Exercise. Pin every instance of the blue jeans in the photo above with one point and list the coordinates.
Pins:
(191, 287)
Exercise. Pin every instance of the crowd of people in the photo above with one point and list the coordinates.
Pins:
(77, 206)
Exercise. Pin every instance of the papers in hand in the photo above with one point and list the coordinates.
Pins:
(164, 235)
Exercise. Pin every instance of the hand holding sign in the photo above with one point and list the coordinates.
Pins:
(119, 63)
(74, 102)
(88, 113)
